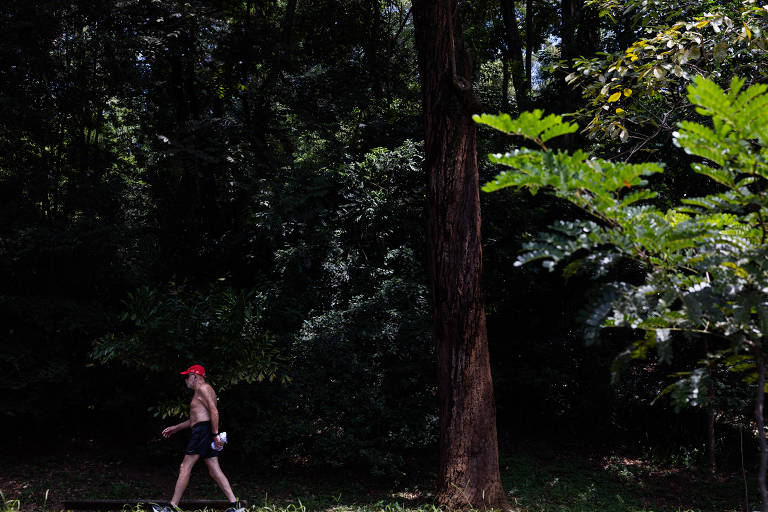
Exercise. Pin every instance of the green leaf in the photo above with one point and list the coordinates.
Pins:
(640, 195)
(530, 125)
(702, 141)
(705, 259)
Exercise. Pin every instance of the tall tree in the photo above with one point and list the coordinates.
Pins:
(580, 29)
(514, 51)
(528, 41)
(579, 37)
(469, 469)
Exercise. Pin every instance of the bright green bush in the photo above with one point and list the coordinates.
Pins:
(706, 258)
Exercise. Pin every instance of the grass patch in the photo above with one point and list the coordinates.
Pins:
(7, 505)
(537, 480)
(556, 482)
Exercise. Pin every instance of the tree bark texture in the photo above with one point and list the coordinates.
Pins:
(469, 468)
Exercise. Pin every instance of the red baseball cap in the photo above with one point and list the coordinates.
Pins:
(195, 369)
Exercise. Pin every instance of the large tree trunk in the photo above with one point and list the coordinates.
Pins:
(469, 468)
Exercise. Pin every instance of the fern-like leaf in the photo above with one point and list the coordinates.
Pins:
(530, 125)
(711, 100)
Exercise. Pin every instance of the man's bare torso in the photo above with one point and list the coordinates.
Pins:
(197, 410)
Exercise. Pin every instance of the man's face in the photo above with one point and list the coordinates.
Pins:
(190, 380)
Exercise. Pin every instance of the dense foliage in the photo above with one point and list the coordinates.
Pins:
(240, 185)
(704, 259)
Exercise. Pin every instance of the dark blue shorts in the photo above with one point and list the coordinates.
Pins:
(200, 442)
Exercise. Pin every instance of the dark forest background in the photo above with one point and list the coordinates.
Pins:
(239, 184)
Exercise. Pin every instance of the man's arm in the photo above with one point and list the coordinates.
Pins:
(209, 400)
(169, 431)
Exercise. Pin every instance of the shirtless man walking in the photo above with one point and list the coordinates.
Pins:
(204, 422)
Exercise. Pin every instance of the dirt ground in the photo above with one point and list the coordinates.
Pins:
(44, 482)
(545, 479)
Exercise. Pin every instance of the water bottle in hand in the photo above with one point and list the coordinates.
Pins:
(223, 437)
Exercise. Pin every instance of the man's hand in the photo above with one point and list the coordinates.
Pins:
(218, 443)
(169, 431)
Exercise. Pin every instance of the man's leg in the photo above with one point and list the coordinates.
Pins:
(218, 475)
(184, 471)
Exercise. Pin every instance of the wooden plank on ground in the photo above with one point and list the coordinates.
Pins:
(119, 504)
